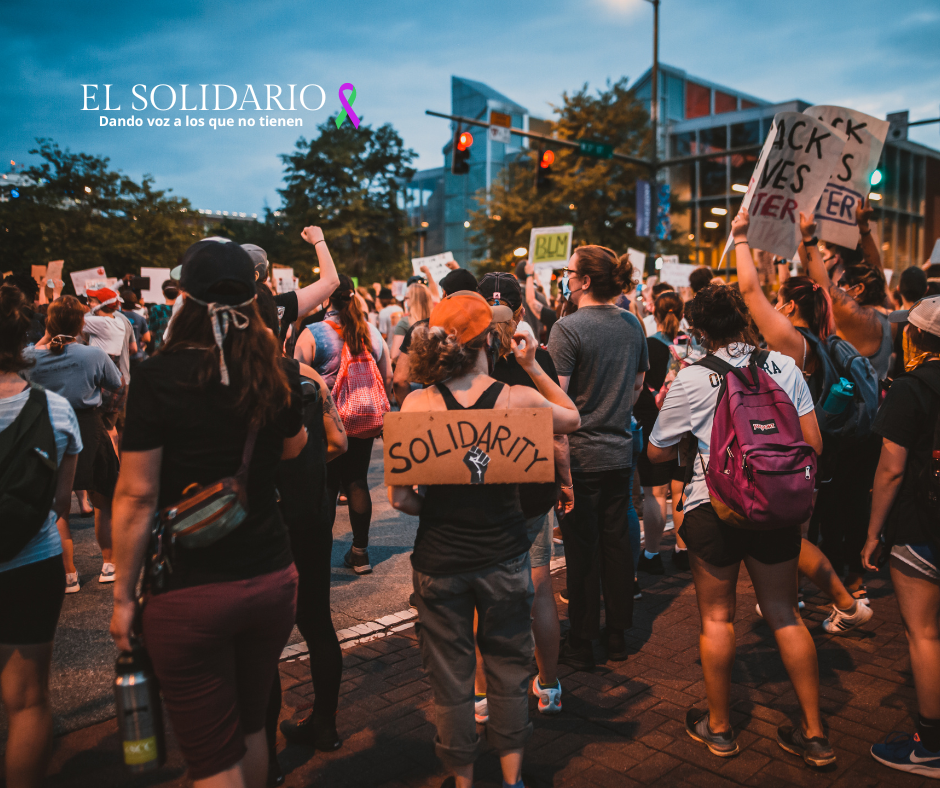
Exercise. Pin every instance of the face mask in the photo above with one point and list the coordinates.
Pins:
(565, 290)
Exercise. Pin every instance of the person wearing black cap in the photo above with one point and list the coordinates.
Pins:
(457, 280)
(214, 400)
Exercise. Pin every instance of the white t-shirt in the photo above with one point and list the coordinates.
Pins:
(385, 318)
(106, 333)
(68, 440)
(691, 401)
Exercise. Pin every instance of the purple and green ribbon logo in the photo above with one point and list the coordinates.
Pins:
(347, 105)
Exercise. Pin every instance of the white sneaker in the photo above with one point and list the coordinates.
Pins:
(107, 573)
(549, 697)
(481, 710)
(839, 623)
(71, 583)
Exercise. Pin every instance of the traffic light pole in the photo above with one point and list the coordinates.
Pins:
(654, 124)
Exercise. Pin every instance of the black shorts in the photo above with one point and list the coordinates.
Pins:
(30, 601)
(352, 466)
(657, 474)
(712, 540)
(98, 465)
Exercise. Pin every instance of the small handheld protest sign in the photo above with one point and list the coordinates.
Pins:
(796, 169)
(506, 446)
(436, 263)
(850, 181)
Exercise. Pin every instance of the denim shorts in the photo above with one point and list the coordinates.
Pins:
(540, 532)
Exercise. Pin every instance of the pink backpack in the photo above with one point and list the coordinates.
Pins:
(761, 473)
(359, 392)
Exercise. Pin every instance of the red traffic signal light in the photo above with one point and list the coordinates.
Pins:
(464, 141)
(548, 158)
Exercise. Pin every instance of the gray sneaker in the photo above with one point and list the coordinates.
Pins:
(721, 744)
(816, 751)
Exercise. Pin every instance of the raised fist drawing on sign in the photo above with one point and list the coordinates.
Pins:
(476, 460)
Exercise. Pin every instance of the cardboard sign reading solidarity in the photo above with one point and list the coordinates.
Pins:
(850, 181)
(469, 447)
(803, 155)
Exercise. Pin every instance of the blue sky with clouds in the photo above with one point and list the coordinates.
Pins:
(871, 55)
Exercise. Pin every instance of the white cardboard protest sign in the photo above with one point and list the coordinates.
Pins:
(675, 273)
(543, 272)
(804, 153)
(436, 263)
(849, 183)
(154, 294)
(638, 261)
(935, 254)
(550, 245)
(95, 277)
(283, 279)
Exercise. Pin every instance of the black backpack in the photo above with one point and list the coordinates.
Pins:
(28, 474)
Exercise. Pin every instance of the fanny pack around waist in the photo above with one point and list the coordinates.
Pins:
(207, 513)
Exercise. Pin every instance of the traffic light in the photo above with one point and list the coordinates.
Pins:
(460, 159)
(543, 170)
(877, 177)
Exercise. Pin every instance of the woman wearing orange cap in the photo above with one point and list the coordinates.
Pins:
(471, 550)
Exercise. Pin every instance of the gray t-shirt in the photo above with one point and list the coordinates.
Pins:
(77, 373)
(602, 349)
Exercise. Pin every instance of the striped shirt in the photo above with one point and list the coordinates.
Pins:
(68, 440)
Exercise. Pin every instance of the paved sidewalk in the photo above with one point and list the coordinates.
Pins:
(622, 725)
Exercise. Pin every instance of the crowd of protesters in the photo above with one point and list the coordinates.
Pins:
(273, 402)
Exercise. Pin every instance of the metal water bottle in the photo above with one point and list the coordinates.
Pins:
(139, 712)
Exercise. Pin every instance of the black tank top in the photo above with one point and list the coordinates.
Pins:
(469, 527)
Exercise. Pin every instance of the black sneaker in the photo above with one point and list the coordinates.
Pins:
(680, 560)
(816, 751)
(311, 733)
(616, 646)
(577, 657)
(637, 591)
(358, 562)
(721, 744)
(652, 566)
(563, 595)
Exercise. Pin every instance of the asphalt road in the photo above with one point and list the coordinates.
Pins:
(83, 658)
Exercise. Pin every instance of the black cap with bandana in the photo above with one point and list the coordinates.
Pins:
(221, 273)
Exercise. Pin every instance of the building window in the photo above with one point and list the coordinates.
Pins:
(697, 101)
(725, 102)
(742, 165)
(745, 104)
(714, 172)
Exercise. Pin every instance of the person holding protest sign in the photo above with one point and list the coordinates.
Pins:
(601, 356)
(215, 406)
(321, 347)
(79, 373)
(717, 547)
(472, 551)
(904, 507)
(844, 505)
(793, 327)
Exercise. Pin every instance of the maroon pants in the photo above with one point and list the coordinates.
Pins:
(215, 650)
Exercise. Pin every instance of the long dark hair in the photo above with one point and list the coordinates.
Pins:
(873, 278)
(65, 318)
(251, 356)
(720, 317)
(351, 318)
(610, 275)
(14, 323)
(812, 302)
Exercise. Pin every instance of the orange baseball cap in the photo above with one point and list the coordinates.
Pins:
(464, 314)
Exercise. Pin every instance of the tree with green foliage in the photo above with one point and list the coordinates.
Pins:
(596, 196)
(74, 207)
(347, 181)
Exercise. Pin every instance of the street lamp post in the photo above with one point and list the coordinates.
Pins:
(654, 124)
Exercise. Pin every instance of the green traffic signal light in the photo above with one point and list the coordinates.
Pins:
(877, 177)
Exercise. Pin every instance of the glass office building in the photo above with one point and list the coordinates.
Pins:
(438, 202)
(699, 117)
